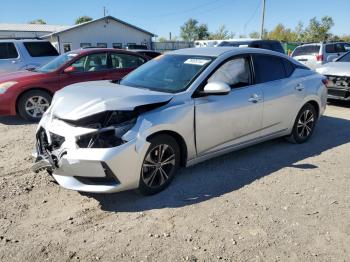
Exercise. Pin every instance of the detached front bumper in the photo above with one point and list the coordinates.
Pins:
(96, 170)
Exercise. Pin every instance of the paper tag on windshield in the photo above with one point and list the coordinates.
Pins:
(196, 61)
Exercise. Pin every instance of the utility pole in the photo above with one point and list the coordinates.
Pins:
(262, 20)
(104, 11)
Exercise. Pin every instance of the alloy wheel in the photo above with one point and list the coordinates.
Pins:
(36, 106)
(158, 165)
(305, 124)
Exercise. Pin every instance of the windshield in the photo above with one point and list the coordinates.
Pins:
(344, 58)
(55, 64)
(167, 73)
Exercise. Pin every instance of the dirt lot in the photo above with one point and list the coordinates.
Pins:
(271, 202)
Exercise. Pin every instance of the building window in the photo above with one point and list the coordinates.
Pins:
(67, 47)
(102, 45)
(85, 45)
(117, 45)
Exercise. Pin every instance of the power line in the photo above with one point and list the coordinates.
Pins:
(252, 16)
(189, 10)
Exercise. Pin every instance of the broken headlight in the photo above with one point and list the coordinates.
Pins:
(110, 125)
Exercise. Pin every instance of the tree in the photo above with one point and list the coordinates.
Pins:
(189, 31)
(319, 30)
(282, 33)
(162, 39)
(83, 19)
(202, 32)
(37, 21)
(222, 33)
(254, 35)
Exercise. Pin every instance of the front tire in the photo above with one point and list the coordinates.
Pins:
(32, 105)
(304, 125)
(160, 164)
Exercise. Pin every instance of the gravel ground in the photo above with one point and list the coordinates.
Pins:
(271, 202)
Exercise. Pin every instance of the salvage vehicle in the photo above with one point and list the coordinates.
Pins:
(338, 76)
(24, 54)
(178, 109)
(315, 55)
(29, 93)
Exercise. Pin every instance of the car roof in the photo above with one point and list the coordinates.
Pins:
(97, 49)
(218, 51)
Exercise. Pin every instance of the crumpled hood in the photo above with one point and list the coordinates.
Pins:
(84, 99)
(335, 68)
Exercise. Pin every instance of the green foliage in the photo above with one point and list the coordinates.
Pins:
(315, 31)
(189, 31)
(83, 19)
(203, 32)
(38, 21)
(319, 30)
(222, 33)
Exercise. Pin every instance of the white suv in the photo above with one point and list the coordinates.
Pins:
(316, 54)
(24, 54)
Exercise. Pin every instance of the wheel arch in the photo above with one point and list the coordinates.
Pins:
(179, 139)
(315, 104)
(29, 90)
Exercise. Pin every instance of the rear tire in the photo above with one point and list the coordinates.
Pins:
(304, 125)
(32, 105)
(160, 164)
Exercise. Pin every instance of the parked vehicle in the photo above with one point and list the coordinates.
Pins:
(315, 55)
(29, 93)
(207, 43)
(182, 108)
(24, 54)
(273, 45)
(338, 75)
(147, 53)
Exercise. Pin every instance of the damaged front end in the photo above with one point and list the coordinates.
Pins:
(103, 130)
(338, 87)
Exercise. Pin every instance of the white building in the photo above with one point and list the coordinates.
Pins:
(103, 32)
(27, 30)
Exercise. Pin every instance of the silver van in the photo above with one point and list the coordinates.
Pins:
(18, 55)
(315, 55)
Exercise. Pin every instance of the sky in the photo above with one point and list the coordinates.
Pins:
(162, 17)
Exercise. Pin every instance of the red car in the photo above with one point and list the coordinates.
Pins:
(29, 93)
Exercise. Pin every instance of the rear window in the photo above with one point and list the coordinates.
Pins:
(8, 51)
(306, 50)
(40, 49)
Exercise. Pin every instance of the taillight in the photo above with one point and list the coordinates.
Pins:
(325, 82)
(319, 57)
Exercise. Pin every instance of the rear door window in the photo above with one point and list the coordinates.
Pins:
(268, 68)
(121, 60)
(40, 49)
(8, 51)
(306, 50)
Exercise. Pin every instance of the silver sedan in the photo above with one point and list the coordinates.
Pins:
(179, 109)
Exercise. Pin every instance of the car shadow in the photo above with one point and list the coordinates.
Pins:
(232, 171)
(13, 121)
(339, 103)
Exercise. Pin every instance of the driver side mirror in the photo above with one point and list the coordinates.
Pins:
(70, 69)
(216, 88)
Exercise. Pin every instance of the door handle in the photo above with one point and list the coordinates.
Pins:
(14, 62)
(254, 98)
(299, 87)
